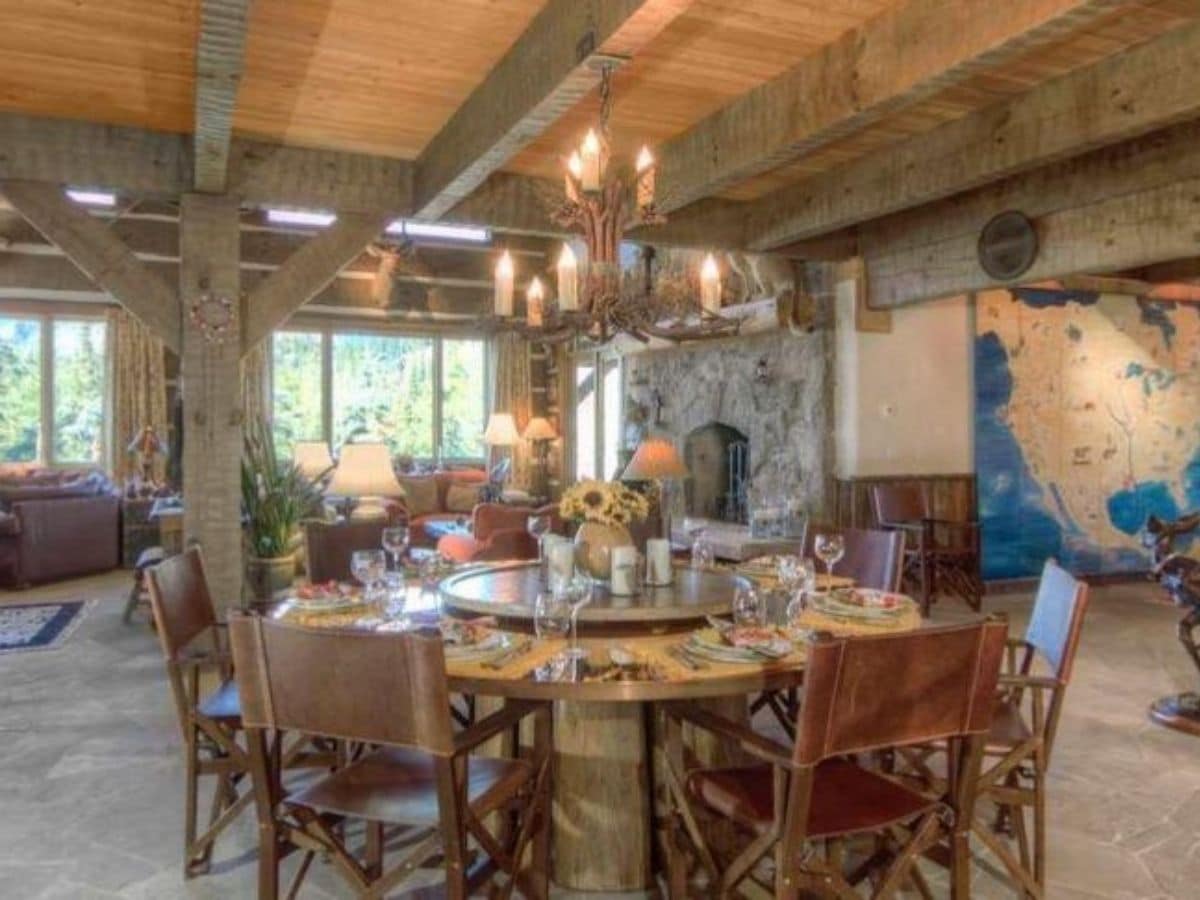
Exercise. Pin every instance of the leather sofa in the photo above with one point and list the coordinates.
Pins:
(56, 525)
(438, 488)
(498, 532)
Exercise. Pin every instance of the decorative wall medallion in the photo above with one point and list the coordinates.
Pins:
(1008, 245)
(214, 316)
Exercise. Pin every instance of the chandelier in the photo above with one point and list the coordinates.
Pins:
(597, 301)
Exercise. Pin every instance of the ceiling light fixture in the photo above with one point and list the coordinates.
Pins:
(307, 218)
(92, 198)
(438, 231)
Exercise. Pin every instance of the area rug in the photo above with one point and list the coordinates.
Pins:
(40, 626)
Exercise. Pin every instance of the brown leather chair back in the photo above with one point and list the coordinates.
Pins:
(180, 600)
(874, 558)
(1057, 619)
(901, 501)
(870, 692)
(377, 688)
(328, 546)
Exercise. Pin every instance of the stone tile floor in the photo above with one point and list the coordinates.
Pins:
(91, 774)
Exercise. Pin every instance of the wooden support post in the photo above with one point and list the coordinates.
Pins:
(212, 438)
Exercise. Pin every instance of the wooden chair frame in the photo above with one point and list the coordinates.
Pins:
(798, 866)
(522, 818)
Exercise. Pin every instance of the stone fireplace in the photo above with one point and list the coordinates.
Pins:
(771, 391)
(718, 457)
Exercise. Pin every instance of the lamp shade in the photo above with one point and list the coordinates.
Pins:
(655, 459)
(539, 429)
(364, 470)
(501, 430)
(312, 458)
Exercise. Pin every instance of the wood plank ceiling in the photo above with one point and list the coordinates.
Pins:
(383, 79)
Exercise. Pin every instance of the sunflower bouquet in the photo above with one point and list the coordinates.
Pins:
(603, 502)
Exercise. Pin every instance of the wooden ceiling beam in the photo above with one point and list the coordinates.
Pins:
(1114, 209)
(553, 65)
(106, 260)
(306, 273)
(1124, 96)
(895, 60)
(220, 55)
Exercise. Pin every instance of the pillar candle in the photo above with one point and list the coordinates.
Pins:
(561, 554)
(591, 155)
(535, 298)
(568, 280)
(658, 561)
(504, 285)
(710, 285)
(624, 571)
(645, 179)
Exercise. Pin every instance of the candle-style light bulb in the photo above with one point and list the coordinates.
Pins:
(568, 280)
(593, 165)
(574, 176)
(535, 299)
(645, 178)
(710, 285)
(504, 285)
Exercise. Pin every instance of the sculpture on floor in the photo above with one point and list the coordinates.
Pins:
(1179, 574)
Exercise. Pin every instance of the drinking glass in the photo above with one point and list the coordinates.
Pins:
(395, 598)
(749, 607)
(395, 542)
(551, 615)
(369, 567)
(829, 549)
(539, 527)
(795, 573)
(702, 552)
(577, 593)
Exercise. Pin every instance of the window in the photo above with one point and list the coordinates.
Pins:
(597, 420)
(425, 396)
(53, 384)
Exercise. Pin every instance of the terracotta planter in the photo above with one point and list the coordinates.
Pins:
(593, 547)
(266, 577)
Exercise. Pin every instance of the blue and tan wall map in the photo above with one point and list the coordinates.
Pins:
(1087, 420)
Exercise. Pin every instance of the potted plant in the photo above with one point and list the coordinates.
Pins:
(604, 509)
(276, 496)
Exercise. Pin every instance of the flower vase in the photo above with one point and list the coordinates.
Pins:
(594, 543)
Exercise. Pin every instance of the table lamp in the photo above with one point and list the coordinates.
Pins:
(312, 458)
(540, 433)
(501, 431)
(657, 460)
(364, 472)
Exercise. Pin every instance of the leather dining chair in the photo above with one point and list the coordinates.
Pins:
(411, 769)
(942, 555)
(873, 558)
(862, 694)
(328, 546)
(192, 644)
(1028, 709)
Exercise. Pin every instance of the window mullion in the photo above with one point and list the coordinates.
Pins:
(46, 421)
(438, 397)
(327, 387)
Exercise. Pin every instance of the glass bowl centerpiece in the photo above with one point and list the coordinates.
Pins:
(604, 510)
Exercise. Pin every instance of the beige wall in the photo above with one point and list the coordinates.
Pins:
(903, 399)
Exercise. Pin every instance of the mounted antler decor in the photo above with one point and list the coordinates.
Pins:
(602, 203)
(1180, 575)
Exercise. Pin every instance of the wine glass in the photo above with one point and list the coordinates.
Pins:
(577, 593)
(551, 615)
(829, 549)
(795, 573)
(539, 527)
(395, 542)
(749, 607)
(702, 552)
(369, 567)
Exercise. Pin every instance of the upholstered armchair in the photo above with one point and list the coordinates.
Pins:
(498, 532)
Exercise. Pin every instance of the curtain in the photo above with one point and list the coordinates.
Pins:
(139, 394)
(256, 384)
(514, 394)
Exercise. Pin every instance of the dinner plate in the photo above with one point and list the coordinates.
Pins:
(871, 607)
(493, 644)
(326, 604)
(708, 643)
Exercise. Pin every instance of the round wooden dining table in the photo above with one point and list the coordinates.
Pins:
(603, 809)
